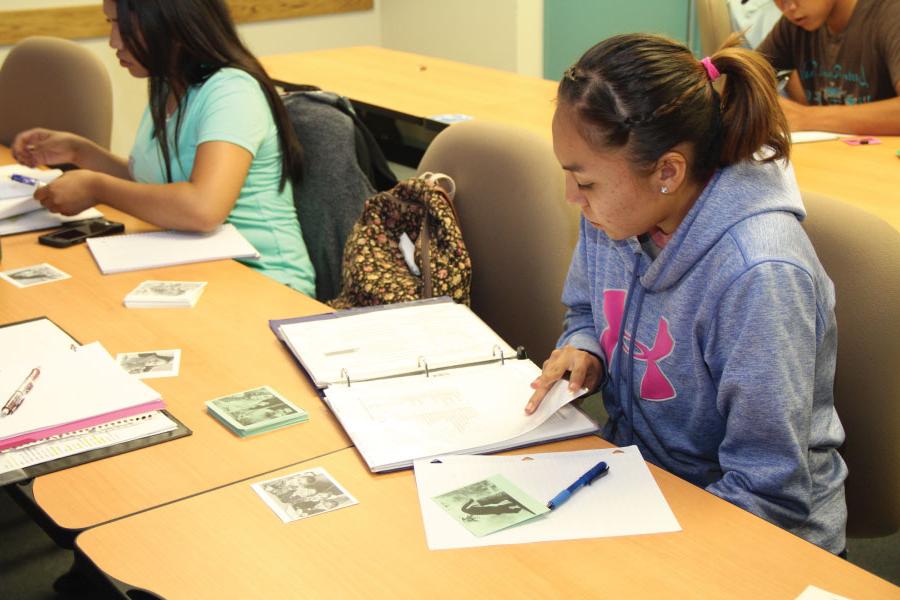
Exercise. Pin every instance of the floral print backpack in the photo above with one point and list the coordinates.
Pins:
(407, 245)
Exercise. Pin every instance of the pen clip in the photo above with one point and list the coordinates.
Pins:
(601, 473)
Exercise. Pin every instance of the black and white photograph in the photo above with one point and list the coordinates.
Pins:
(33, 275)
(151, 364)
(253, 408)
(153, 293)
(304, 494)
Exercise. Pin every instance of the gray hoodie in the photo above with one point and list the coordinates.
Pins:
(720, 353)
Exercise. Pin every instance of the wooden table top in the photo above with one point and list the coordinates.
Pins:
(226, 347)
(423, 86)
(229, 544)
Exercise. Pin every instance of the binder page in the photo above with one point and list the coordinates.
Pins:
(627, 501)
(42, 219)
(16, 197)
(392, 341)
(71, 390)
(393, 421)
(30, 341)
(76, 442)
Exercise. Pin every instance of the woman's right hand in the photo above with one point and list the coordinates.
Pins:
(585, 370)
(38, 147)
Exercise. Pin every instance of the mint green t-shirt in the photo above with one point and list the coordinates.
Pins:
(231, 107)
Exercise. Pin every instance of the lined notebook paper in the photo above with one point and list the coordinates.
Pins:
(137, 251)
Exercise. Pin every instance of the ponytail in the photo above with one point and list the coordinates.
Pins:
(751, 115)
(649, 94)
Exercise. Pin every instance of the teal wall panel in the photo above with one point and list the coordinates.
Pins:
(573, 26)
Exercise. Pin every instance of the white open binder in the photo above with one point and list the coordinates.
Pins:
(421, 379)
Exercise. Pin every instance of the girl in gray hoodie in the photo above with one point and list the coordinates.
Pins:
(695, 299)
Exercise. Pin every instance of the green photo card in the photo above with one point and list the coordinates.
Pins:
(490, 505)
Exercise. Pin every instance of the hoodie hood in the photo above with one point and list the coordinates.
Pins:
(732, 195)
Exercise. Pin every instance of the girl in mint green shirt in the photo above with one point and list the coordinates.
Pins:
(214, 144)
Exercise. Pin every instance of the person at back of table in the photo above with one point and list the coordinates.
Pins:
(214, 145)
(846, 60)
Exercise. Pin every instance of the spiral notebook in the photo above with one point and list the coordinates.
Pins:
(138, 251)
(419, 379)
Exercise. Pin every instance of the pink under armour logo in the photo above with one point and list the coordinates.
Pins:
(654, 384)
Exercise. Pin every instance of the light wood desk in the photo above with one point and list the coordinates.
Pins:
(422, 86)
(229, 544)
(226, 347)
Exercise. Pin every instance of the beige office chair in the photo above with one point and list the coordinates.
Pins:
(713, 24)
(516, 224)
(54, 83)
(861, 254)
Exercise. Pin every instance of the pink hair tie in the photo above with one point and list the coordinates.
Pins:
(711, 71)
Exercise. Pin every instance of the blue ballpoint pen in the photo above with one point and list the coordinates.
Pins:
(25, 179)
(595, 473)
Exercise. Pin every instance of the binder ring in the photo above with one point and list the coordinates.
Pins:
(500, 350)
(423, 363)
(346, 376)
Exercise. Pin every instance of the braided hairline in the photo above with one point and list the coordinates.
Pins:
(664, 109)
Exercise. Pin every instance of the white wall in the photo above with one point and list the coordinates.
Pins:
(291, 35)
(503, 34)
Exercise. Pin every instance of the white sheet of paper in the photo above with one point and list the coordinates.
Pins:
(815, 593)
(30, 341)
(802, 137)
(627, 501)
(16, 198)
(390, 342)
(72, 386)
(42, 219)
(396, 420)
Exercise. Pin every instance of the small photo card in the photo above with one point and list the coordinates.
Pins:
(151, 364)
(490, 505)
(166, 290)
(303, 494)
(259, 408)
(33, 275)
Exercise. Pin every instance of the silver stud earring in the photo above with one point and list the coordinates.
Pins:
(664, 190)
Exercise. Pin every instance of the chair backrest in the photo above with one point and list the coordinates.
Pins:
(713, 24)
(861, 254)
(330, 199)
(517, 227)
(54, 83)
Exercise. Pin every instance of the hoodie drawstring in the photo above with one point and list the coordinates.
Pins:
(629, 390)
(625, 400)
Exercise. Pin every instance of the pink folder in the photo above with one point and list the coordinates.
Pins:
(46, 432)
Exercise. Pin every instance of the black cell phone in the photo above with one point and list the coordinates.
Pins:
(75, 234)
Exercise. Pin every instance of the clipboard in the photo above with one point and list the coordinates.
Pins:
(58, 464)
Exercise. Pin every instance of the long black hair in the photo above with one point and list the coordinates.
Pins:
(181, 43)
(649, 93)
